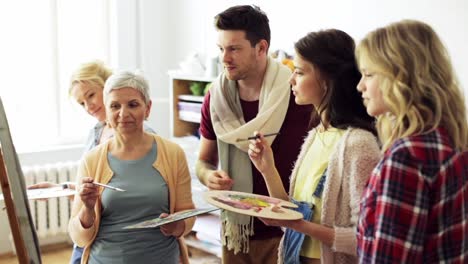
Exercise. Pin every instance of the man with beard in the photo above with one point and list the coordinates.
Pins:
(252, 94)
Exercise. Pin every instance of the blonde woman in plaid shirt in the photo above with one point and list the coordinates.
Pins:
(415, 206)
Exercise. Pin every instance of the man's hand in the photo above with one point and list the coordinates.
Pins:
(218, 180)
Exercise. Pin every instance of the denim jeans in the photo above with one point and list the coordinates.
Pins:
(292, 243)
(293, 240)
(76, 254)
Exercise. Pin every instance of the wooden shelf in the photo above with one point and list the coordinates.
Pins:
(187, 77)
(186, 123)
(185, 119)
(206, 234)
(192, 241)
(191, 98)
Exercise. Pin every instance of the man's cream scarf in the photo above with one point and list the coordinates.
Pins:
(229, 125)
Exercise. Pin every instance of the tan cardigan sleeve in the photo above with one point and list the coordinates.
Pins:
(183, 188)
(360, 157)
(80, 236)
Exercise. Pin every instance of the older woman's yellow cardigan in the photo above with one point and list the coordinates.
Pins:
(172, 165)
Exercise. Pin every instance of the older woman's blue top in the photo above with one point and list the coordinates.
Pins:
(146, 197)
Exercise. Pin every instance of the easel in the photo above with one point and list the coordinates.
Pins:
(16, 202)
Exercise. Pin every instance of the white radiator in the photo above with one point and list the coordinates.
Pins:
(51, 216)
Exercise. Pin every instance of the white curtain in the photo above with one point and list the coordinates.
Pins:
(42, 43)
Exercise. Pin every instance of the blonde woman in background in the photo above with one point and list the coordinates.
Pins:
(86, 85)
(415, 206)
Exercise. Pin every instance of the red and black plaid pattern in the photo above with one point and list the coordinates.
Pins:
(415, 206)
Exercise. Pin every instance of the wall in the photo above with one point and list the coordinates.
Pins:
(138, 31)
(293, 20)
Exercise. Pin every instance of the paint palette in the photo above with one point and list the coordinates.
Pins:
(253, 204)
(171, 218)
(47, 193)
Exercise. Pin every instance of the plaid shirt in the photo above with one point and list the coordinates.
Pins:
(415, 207)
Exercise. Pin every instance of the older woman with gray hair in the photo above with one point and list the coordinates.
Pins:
(152, 171)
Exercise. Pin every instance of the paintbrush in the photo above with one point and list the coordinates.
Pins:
(107, 186)
(256, 136)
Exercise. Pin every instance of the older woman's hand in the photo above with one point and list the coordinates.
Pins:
(88, 192)
(173, 229)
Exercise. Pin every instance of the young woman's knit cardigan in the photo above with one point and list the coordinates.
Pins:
(349, 168)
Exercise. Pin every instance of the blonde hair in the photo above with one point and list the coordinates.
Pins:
(94, 72)
(417, 82)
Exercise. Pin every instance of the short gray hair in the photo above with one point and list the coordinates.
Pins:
(127, 79)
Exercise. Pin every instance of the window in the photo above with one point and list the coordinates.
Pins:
(42, 43)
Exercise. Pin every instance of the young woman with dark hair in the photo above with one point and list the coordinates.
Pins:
(336, 159)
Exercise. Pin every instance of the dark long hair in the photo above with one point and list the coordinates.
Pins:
(332, 53)
(249, 18)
